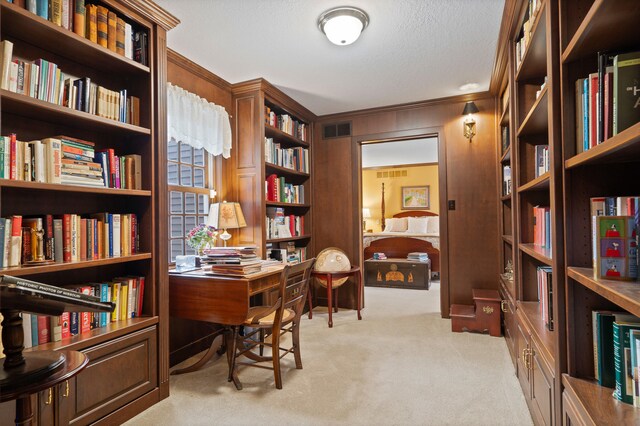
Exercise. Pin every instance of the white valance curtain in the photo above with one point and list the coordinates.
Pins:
(198, 122)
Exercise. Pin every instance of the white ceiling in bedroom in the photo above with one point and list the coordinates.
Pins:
(400, 153)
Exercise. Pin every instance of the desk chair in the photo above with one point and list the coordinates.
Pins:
(282, 316)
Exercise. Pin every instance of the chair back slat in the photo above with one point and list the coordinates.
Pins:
(295, 285)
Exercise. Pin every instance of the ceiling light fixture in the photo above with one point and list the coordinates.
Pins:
(343, 25)
(469, 86)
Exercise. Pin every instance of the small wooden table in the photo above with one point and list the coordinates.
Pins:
(329, 277)
(217, 299)
(398, 273)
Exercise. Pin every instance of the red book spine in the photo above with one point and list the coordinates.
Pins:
(83, 239)
(43, 329)
(66, 318)
(66, 233)
(13, 146)
(292, 225)
(140, 296)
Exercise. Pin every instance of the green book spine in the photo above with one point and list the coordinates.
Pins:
(606, 359)
(634, 340)
(622, 357)
(2, 176)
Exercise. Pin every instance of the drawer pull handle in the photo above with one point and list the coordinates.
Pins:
(49, 400)
(503, 306)
(66, 389)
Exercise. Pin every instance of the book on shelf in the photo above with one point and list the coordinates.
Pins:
(634, 346)
(285, 123)
(506, 180)
(291, 158)
(616, 248)
(622, 360)
(280, 225)
(542, 227)
(278, 190)
(542, 160)
(545, 294)
(505, 137)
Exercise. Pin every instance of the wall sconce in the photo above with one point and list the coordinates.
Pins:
(470, 108)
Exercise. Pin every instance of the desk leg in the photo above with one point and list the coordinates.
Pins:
(359, 290)
(205, 358)
(329, 298)
(24, 413)
(232, 342)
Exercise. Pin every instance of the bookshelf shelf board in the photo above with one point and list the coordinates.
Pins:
(507, 239)
(278, 204)
(537, 120)
(533, 317)
(504, 118)
(281, 240)
(283, 137)
(506, 197)
(39, 186)
(534, 62)
(623, 147)
(625, 294)
(541, 254)
(537, 184)
(29, 27)
(596, 402)
(284, 170)
(506, 156)
(66, 266)
(96, 336)
(596, 33)
(45, 111)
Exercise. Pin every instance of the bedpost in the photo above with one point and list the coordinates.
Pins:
(382, 208)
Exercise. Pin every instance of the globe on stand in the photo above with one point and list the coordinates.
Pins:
(332, 259)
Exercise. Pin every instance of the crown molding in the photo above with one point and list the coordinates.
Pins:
(154, 13)
(184, 62)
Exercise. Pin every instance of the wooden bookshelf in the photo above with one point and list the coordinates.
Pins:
(537, 120)
(542, 254)
(138, 341)
(538, 184)
(608, 169)
(251, 99)
(531, 311)
(506, 156)
(534, 62)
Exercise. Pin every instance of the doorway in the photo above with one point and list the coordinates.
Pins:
(402, 192)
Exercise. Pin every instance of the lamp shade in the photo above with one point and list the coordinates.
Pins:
(470, 108)
(366, 213)
(343, 25)
(226, 216)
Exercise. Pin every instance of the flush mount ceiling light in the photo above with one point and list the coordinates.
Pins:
(469, 86)
(343, 25)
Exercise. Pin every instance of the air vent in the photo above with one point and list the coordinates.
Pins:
(336, 130)
(391, 174)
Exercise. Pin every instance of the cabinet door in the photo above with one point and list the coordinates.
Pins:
(45, 412)
(541, 386)
(119, 371)
(522, 360)
(65, 396)
(508, 315)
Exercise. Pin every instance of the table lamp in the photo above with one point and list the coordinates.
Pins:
(226, 216)
(366, 214)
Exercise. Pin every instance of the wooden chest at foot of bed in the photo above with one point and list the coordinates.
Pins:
(398, 273)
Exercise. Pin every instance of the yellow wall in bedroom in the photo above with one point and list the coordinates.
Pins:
(372, 190)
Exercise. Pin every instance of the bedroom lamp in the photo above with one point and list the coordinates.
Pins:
(226, 216)
(343, 25)
(366, 214)
(470, 108)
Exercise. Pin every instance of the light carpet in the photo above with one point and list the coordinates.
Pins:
(400, 365)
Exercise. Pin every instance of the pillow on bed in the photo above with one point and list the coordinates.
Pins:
(417, 225)
(433, 225)
(397, 224)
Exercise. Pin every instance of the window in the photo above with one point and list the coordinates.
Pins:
(190, 178)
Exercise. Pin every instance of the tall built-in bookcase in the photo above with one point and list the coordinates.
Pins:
(533, 116)
(609, 169)
(253, 101)
(128, 359)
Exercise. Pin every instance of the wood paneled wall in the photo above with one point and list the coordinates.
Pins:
(186, 338)
(469, 179)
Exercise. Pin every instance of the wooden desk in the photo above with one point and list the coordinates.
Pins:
(216, 299)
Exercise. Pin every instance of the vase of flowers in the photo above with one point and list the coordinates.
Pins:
(201, 237)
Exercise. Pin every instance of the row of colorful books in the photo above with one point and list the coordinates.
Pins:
(616, 353)
(278, 190)
(280, 225)
(615, 225)
(44, 80)
(607, 100)
(67, 238)
(544, 275)
(94, 22)
(290, 158)
(523, 43)
(126, 292)
(67, 160)
(542, 159)
(542, 227)
(286, 123)
(286, 252)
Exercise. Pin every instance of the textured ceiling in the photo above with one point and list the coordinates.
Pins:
(412, 50)
(414, 151)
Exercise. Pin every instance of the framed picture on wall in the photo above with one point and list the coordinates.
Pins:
(415, 197)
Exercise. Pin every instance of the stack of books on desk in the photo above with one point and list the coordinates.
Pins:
(418, 256)
(236, 261)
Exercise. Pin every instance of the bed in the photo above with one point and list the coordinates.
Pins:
(396, 242)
